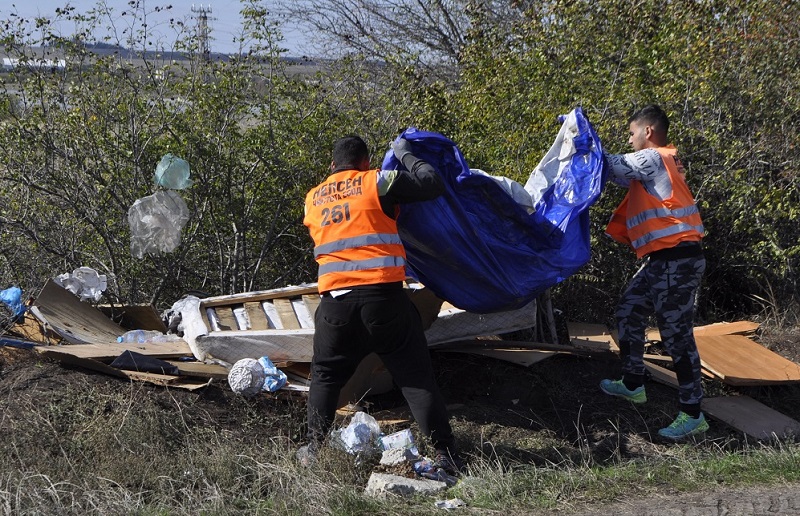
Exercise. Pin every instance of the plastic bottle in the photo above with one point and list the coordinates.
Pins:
(141, 336)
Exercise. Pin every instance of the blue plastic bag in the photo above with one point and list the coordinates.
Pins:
(12, 298)
(172, 172)
(477, 248)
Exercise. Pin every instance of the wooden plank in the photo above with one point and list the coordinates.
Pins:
(751, 417)
(312, 302)
(662, 375)
(225, 318)
(711, 330)
(658, 358)
(258, 319)
(176, 348)
(523, 357)
(738, 360)
(75, 321)
(200, 369)
(261, 295)
(589, 335)
(727, 328)
(286, 314)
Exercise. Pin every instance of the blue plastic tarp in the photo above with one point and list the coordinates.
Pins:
(483, 252)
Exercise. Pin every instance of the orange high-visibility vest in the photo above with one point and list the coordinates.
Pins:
(649, 224)
(356, 243)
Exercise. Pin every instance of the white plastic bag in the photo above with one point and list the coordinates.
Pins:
(84, 282)
(361, 434)
(156, 222)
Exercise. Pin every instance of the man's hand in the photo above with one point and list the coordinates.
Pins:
(401, 148)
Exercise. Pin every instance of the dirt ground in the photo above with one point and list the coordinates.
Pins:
(537, 415)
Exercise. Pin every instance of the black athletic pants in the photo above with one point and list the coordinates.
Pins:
(384, 321)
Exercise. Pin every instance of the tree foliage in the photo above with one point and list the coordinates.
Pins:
(79, 145)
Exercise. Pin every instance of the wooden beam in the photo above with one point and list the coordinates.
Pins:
(751, 417)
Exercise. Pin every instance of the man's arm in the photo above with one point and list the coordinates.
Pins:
(420, 182)
(646, 166)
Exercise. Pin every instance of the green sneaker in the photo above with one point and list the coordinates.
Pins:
(684, 426)
(617, 388)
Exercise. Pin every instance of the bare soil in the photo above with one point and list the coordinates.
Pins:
(544, 414)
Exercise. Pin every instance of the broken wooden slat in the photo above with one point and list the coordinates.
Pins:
(751, 417)
(225, 318)
(258, 319)
(286, 314)
(738, 360)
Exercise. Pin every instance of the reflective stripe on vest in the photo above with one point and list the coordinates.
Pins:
(362, 265)
(359, 241)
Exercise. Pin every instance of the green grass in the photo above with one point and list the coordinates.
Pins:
(75, 443)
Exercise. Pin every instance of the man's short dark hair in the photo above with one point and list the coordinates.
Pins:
(349, 151)
(653, 115)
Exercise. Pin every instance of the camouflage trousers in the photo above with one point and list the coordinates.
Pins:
(668, 288)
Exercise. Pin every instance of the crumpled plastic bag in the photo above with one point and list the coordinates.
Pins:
(156, 223)
(172, 172)
(360, 435)
(12, 298)
(84, 282)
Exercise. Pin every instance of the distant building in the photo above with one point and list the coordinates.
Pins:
(10, 63)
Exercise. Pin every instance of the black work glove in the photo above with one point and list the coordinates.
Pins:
(402, 151)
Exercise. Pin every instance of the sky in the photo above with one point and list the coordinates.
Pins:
(224, 19)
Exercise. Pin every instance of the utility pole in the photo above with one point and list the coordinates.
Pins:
(202, 15)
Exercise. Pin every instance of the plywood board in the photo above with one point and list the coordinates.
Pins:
(286, 314)
(593, 336)
(738, 360)
(751, 417)
(727, 328)
(75, 321)
(711, 330)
